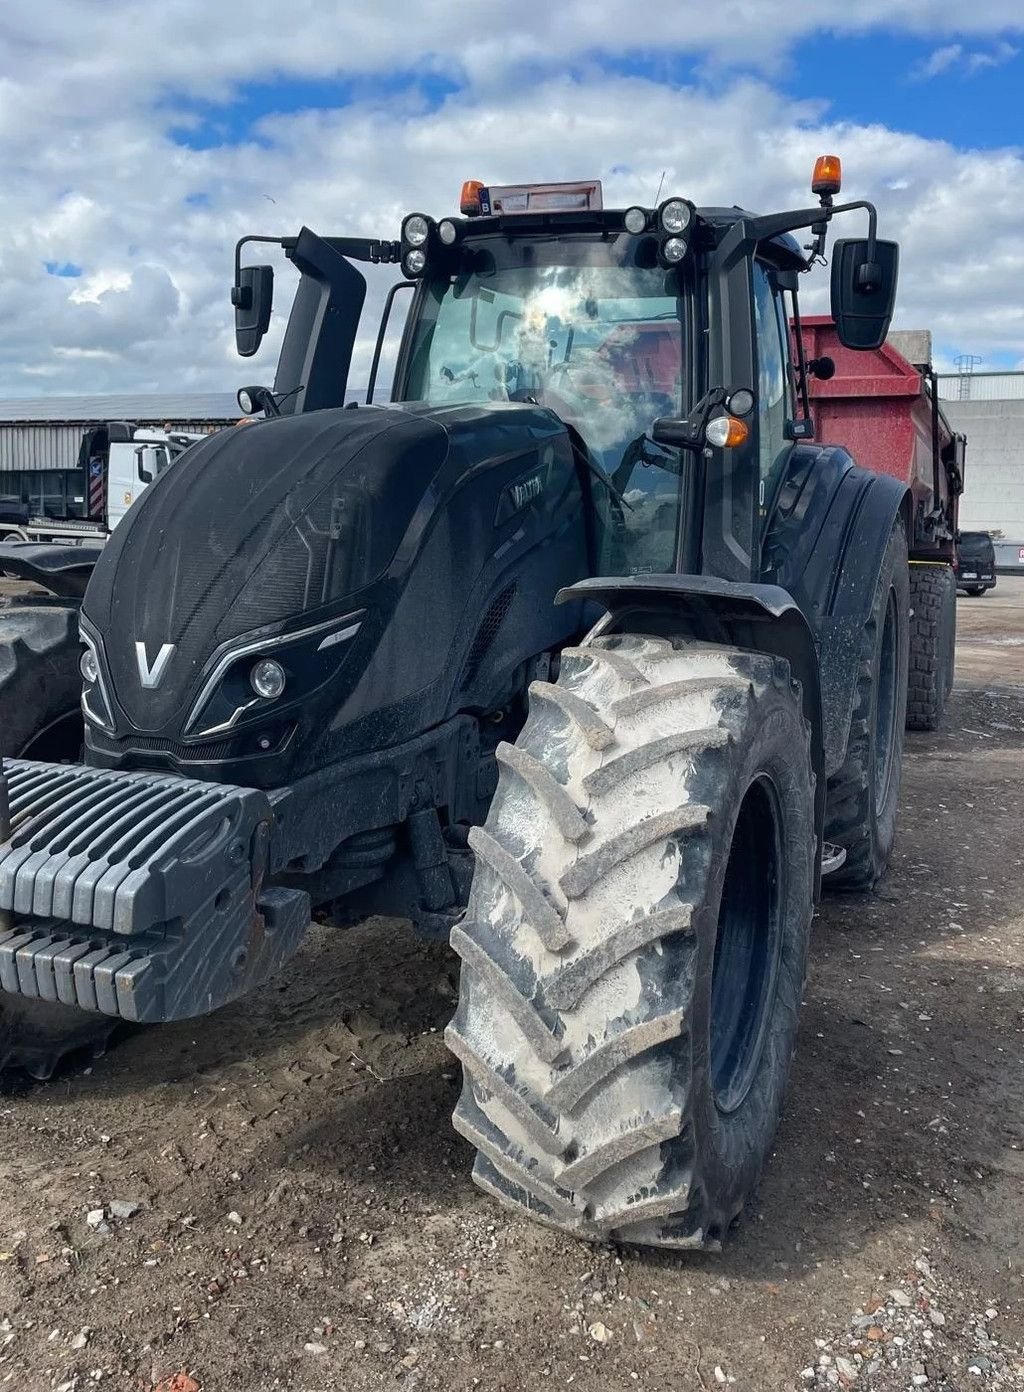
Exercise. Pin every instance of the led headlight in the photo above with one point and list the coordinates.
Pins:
(415, 230)
(89, 667)
(673, 250)
(448, 232)
(635, 220)
(675, 215)
(268, 679)
(741, 403)
(413, 262)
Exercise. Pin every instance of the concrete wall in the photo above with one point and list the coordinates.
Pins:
(993, 498)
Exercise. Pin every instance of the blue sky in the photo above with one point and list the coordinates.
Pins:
(128, 180)
(951, 87)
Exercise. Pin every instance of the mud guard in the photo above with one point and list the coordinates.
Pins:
(760, 618)
(62, 570)
(824, 548)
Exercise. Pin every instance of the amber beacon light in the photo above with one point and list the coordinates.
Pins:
(828, 175)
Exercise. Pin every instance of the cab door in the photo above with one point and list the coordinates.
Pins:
(774, 389)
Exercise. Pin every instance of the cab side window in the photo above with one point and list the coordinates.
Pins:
(773, 380)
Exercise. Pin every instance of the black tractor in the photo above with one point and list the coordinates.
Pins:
(579, 652)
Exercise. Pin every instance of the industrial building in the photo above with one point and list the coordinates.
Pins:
(988, 407)
(41, 462)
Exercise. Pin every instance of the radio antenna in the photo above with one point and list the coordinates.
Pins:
(661, 182)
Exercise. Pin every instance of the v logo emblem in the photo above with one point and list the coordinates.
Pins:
(151, 677)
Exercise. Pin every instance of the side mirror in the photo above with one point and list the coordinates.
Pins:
(863, 290)
(151, 460)
(252, 298)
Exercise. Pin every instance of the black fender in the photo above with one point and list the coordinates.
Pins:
(824, 546)
(63, 570)
(762, 618)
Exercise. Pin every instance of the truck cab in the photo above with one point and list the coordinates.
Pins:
(133, 463)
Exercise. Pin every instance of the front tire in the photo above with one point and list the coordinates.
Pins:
(635, 946)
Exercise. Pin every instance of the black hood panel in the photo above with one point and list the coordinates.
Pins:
(261, 524)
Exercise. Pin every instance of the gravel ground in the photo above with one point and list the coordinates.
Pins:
(273, 1197)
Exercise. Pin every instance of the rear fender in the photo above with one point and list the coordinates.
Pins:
(62, 570)
(824, 546)
(760, 618)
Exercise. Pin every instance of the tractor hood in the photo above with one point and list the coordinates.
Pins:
(270, 528)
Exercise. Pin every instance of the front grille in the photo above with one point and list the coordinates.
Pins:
(184, 753)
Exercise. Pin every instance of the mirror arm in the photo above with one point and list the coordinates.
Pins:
(285, 242)
(744, 235)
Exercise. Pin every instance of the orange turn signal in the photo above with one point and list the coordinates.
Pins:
(725, 432)
(469, 203)
(828, 174)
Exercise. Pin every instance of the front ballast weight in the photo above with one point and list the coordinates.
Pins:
(139, 896)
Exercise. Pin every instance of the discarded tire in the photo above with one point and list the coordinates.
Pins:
(40, 684)
(863, 797)
(635, 945)
(932, 644)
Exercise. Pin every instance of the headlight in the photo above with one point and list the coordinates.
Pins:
(96, 705)
(89, 667)
(415, 230)
(243, 675)
(448, 232)
(675, 215)
(673, 250)
(268, 679)
(635, 220)
(413, 262)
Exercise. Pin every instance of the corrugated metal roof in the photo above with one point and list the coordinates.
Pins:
(981, 386)
(201, 406)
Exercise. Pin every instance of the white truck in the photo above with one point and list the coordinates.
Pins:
(132, 460)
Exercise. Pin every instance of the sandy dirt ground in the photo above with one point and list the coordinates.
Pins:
(274, 1198)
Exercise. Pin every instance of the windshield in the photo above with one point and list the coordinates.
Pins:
(599, 344)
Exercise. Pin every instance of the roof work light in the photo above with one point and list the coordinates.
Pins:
(483, 199)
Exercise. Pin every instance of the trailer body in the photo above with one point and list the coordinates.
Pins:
(886, 411)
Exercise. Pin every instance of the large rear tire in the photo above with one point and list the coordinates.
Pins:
(635, 947)
(863, 797)
(932, 644)
(41, 718)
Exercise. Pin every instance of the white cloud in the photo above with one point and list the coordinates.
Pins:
(964, 62)
(90, 88)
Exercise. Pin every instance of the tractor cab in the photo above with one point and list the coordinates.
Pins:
(657, 336)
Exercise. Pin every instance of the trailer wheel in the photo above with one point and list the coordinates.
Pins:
(863, 797)
(932, 644)
(41, 718)
(635, 946)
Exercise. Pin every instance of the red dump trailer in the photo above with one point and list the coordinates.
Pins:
(884, 408)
